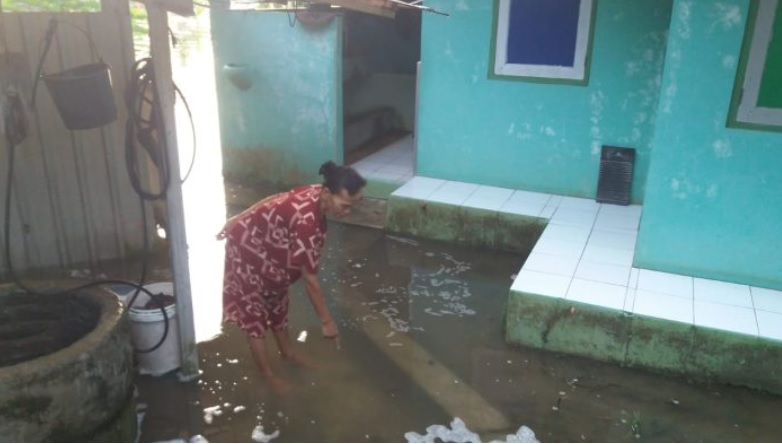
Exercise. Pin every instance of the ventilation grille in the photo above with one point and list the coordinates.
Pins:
(616, 175)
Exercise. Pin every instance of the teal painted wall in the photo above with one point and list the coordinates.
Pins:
(289, 121)
(541, 137)
(713, 206)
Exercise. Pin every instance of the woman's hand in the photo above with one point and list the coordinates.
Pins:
(227, 227)
(329, 329)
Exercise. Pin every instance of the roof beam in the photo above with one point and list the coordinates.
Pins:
(382, 8)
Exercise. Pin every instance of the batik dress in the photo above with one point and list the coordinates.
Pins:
(265, 251)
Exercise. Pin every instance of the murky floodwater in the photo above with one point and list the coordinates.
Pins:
(421, 343)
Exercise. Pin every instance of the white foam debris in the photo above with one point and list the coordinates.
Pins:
(302, 336)
(457, 433)
(211, 412)
(460, 433)
(197, 438)
(239, 408)
(232, 361)
(259, 436)
(524, 434)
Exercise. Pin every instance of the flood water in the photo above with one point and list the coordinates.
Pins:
(421, 343)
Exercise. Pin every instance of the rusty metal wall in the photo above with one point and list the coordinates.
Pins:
(73, 204)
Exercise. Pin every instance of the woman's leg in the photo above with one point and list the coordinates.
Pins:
(279, 326)
(287, 352)
(261, 357)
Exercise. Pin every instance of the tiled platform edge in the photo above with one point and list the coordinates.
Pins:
(578, 292)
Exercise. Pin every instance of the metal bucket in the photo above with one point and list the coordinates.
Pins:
(83, 96)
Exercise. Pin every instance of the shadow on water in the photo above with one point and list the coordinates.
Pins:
(422, 343)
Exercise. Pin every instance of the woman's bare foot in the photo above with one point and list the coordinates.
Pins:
(279, 385)
(301, 361)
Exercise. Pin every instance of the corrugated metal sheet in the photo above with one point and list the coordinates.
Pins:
(73, 202)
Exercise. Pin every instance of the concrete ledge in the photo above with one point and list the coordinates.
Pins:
(462, 225)
(701, 354)
(569, 327)
(579, 293)
(379, 189)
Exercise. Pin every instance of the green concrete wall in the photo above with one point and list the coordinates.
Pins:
(535, 136)
(465, 226)
(700, 354)
(289, 121)
(712, 206)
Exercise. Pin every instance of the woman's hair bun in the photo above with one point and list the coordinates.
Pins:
(327, 169)
(337, 178)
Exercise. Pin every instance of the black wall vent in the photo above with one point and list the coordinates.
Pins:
(616, 175)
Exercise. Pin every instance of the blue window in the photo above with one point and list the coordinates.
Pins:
(757, 98)
(543, 38)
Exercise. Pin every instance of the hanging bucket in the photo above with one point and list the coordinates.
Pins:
(83, 96)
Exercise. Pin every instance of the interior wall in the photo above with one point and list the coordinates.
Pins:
(380, 56)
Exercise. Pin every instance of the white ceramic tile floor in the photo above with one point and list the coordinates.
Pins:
(393, 163)
(488, 198)
(585, 254)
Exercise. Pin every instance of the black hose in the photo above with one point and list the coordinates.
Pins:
(15, 132)
(149, 132)
(156, 298)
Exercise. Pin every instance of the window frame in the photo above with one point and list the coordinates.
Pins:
(578, 74)
(744, 109)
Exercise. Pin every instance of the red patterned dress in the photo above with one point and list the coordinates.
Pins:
(264, 253)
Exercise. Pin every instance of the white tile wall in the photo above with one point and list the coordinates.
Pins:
(585, 254)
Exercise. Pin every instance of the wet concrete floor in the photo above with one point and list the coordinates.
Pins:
(421, 343)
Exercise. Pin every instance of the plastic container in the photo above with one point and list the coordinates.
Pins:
(83, 96)
(148, 327)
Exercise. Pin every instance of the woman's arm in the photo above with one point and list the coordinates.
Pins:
(318, 301)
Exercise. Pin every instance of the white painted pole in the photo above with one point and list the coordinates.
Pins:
(176, 234)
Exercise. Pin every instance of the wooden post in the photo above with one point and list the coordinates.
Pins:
(176, 234)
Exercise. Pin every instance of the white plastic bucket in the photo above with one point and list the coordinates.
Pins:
(148, 326)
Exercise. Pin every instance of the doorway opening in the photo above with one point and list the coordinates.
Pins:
(380, 58)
